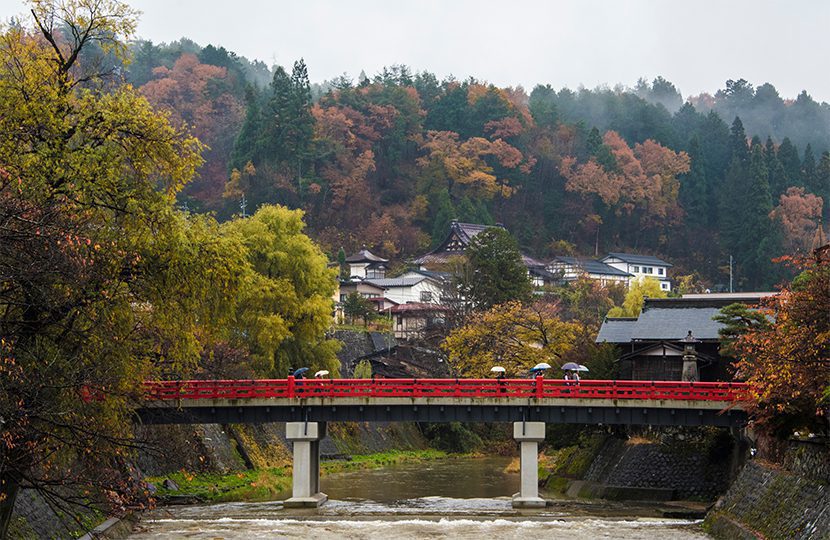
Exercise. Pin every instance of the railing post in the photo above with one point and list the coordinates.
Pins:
(539, 387)
(290, 387)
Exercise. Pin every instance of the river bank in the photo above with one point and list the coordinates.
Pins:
(267, 484)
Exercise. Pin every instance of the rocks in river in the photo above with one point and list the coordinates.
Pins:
(170, 485)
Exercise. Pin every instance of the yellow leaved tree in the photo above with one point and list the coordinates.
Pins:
(510, 335)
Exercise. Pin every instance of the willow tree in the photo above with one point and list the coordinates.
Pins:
(102, 282)
(285, 305)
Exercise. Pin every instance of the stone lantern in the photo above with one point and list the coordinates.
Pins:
(689, 373)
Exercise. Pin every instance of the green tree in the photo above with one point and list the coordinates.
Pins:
(496, 272)
(356, 306)
(693, 189)
(777, 176)
(808, 171)
(759, 240)
(823, 182)
(363, 370)
(638, 291)
(788, 156)
(285, 308)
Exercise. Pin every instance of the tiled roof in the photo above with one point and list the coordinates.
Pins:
(530, 262)
(468, 231)
(364, 255)
(591, 266)
(412, 307)
(675, 323)
(670, 319)
(637, 259)
(386, 283)
(438, 276)
(616, 330)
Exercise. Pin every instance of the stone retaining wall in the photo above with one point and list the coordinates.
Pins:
(690, 468)
(766, 502)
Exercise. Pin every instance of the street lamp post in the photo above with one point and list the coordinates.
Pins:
(689, 373)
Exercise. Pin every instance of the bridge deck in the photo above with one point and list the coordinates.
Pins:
(445, 400)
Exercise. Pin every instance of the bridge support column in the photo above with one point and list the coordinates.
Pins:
(305, 437)
(529, 435)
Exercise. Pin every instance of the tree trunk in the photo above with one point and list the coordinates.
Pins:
(9, 486)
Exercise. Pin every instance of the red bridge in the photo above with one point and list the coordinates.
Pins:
(445, 400)
(538, 388)
(307, 404)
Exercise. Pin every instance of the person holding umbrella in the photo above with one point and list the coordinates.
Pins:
(539, 369)
(499, 371)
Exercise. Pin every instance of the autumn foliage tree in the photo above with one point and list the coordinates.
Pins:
(510, 335)
(102, 282)
(787, 362)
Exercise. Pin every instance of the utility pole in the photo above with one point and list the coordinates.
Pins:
(730, 273)
(243, 204)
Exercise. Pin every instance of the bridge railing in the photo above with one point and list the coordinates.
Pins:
(539, 388)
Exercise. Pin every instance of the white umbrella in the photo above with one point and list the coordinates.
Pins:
(497, 369)
(321, 373)
(540, 366)
(583, 368)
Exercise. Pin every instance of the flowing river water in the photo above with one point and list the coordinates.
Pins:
(454, 498)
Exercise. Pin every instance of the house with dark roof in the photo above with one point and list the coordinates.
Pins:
(455, 244)
(640, 267)
(572, 268)
(365, 264)
(651, 345)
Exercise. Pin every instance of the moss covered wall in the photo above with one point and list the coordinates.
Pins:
(768, 502)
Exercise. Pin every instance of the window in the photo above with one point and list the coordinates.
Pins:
(664, 286)
(636, 269)
(648, 270)
(660, 271)
(426, 296)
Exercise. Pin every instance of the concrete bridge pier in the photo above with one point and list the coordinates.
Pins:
(529, 435)
(306, 437)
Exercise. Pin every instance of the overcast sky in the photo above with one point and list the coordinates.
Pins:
(697, 45)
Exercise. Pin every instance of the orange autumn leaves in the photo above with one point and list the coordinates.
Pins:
(464, 163)
(643, 178)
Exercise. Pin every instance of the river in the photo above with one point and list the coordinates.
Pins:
(453, 498)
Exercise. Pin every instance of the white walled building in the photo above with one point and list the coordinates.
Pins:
(418, 288)
(572, 268)
(641, 266)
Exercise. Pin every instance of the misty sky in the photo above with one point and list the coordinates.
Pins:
(697, 45)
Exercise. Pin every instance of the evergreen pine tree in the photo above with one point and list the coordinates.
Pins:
(823, 183)
(714, 145)
(731, 225)
(737, 142)
(777, 178)
(808, 170)
(246, 141)
(788, 156)
(760, 241)
(694, 189)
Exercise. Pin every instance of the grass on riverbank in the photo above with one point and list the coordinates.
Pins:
(266, 484)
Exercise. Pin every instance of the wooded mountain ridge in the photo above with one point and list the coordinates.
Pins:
(388, 161)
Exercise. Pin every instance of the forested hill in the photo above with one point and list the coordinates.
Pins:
(388, 161)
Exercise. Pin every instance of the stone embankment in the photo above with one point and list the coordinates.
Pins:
(778, 502)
